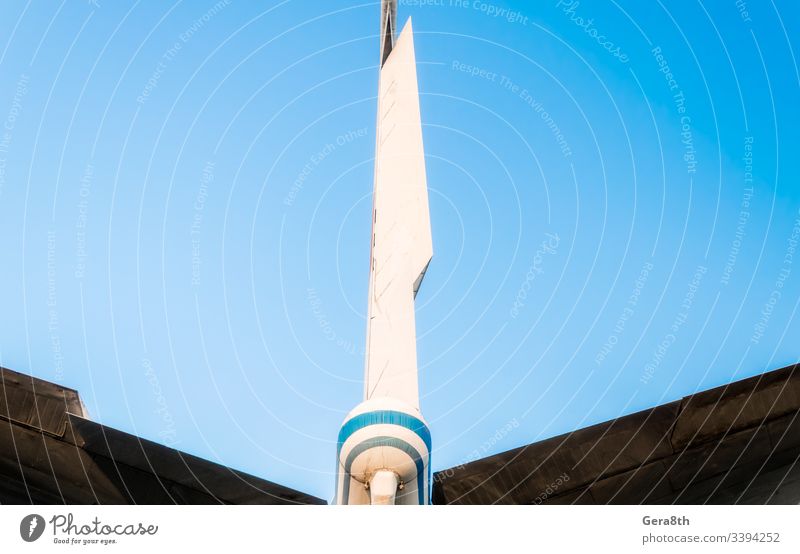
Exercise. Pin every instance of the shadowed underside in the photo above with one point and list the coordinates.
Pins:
(51, 453)
(735, 444)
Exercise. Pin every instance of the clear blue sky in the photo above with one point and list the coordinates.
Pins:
(185, 214)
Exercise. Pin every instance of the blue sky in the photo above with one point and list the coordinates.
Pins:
(185, 214)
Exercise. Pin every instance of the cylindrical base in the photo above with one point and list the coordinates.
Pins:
(383, 455)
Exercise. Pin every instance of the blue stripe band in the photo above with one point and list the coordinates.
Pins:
(389, 417)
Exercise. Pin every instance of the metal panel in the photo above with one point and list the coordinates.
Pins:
(734, 444)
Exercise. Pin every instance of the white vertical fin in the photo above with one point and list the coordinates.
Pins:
(401, 245)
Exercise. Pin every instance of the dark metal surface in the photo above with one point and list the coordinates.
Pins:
(51, 454)
(739, 443)
(37, 403)
(388, 28)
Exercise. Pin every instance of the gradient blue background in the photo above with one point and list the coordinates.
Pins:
(253, 355)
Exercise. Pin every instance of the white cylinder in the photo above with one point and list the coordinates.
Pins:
(383, 487)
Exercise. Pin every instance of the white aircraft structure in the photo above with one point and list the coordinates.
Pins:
(384, 444)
